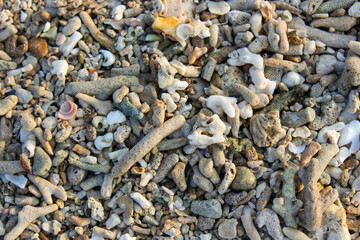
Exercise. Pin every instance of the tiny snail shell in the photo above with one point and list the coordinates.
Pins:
(137, 170)
(67, 110)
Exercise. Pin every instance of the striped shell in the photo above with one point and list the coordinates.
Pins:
(67, 110)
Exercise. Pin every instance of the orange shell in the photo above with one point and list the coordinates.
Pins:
(67, 110)
(167, 25)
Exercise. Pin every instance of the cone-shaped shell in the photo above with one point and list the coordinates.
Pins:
(67, 110)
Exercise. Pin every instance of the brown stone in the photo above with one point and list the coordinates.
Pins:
(38, 46)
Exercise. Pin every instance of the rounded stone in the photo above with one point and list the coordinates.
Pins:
(244, 179)
(39, 47)
(75, 175)
(42, 162)
(23, 95)
(227, 229)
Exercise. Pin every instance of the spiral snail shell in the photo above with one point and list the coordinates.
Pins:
(67, 110)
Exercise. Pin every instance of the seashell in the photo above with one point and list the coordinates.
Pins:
(137, 170)
(28, 147)
(67, 110)
(109, 58)
(160, 7)
(219, 8)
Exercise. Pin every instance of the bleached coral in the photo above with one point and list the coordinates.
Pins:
(330, 133)
(60, 68)
(166, 79)
(70, 43)
(243, 56)
(220, 104)
(246, 110)
(350, 134)
(210, 131)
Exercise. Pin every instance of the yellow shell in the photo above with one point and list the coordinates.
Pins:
(167, 25)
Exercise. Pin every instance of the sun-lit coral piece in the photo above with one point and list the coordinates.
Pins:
(167, 25)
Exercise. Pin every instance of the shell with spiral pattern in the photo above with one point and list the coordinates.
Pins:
(67, 110)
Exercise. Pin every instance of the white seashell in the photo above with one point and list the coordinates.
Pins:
(291, 79)
(219, 8)
(183, 32)
(310, 47)
(118, 12)
(343, 154)
(109, 58)
(141, 200)
(105, 141)
(115, 117)
(296, 149)
(70, 43)
(18, 180)
(219, 104)
(28, 147)
(60, 68)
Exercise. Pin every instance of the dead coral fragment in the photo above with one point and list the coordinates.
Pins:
(265, 128)
(167, 25)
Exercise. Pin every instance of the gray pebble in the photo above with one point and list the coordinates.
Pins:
(244, 179)
(23, 95)
(243, 39)
(75, 175)
(207, 208)
(42, 162)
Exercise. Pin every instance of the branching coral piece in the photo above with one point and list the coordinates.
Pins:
(316, 202)
(26, 216)
(291, 205)
(47, 189)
